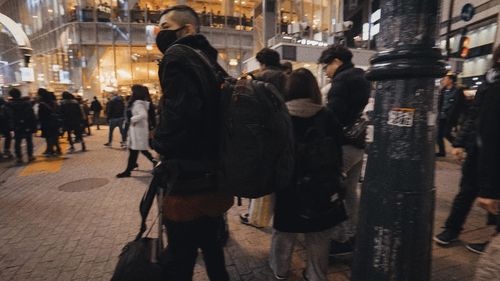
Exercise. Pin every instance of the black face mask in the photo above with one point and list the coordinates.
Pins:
(165, 38)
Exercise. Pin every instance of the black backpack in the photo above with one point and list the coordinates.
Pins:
(256, 141)
(317, 180)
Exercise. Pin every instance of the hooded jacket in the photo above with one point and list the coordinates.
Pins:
(306, 114)
(188, 126)
(488, 136)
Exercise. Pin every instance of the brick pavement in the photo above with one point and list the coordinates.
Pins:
(48, 234)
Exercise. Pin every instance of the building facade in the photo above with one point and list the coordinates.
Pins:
(95, 47)
(481, 30)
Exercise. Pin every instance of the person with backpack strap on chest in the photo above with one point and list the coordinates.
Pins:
(187, 140)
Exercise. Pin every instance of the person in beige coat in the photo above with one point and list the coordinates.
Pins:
(138, 133)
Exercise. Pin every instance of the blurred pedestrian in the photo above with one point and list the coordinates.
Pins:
(115, 109)
(96, 108)
(306, 207)
(347, 98)
(86, 114)
(50, 122)
(72, 116)
(6, 123)
(476, 162)
(450, 104)
(23, 124)
(138, 134)
(488, 267)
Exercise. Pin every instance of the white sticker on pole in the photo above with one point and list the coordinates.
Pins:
(401, 117)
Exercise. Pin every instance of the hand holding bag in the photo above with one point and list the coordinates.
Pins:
(139, 260)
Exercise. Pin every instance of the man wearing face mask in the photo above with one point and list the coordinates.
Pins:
(187, 140)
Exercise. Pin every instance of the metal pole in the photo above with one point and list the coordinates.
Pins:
(397, 202)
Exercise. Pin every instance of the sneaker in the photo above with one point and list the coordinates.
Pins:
(84, 147)
(338, 249)
(123, 144)
(154, 163)
(244, 220)
(71, 150)
(477, 248)
(8, 155)
(123, 175)
(107, 144)
(31, 158)
(446, 237)
(135, 166)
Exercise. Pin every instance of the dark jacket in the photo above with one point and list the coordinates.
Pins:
(451, 104)
(188, 127)
(349, 94)
(6, 121)
(49, 119)
(71, 114)
(95, 106)
(23, 116)
(115, 108)
(466, 136)
(488, 131)
(275, 76)
(286, 212)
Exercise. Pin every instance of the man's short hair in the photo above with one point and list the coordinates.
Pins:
(183, 15)
(15, 93)
(268, 57)
(335, 52)
(452, 76)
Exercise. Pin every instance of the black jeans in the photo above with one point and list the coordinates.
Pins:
(468, 193)
(444, 131)
(29, 144)
(53, 142)
(78, 136)
(133, 155)
(184, 240)
(7, 141)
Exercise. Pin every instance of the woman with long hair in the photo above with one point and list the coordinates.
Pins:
(313, 204)
(49, 122)
(138, 133)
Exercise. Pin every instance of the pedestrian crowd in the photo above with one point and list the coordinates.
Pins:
(325, 136)
(328, 137)
(22, 116)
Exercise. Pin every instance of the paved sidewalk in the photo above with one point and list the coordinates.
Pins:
(50, 234)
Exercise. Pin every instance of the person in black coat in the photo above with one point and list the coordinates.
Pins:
(50, 122)
(187, 136)
(96, 108)
(347, 99)
(115, 112)
(292, 213)
(73, 120)
(23, 124)
(5, 128)
(488, 267)
(450, 105)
